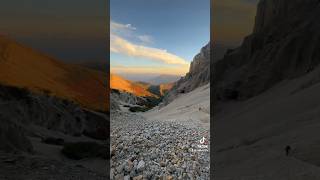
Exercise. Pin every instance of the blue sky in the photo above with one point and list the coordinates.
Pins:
(166, 34)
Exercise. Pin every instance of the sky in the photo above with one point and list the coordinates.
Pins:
(168, 30)
(232, 21)
(150, 37)
(70, 30)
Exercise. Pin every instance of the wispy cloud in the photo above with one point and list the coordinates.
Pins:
(118, 27)
(146, 39)
(118, 44)
(172, 70)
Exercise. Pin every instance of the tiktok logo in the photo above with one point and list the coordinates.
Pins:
(202, 140)
(203, 146)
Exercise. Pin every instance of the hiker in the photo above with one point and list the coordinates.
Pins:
(288, 148)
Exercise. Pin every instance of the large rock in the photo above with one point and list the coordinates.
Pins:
(285, 44)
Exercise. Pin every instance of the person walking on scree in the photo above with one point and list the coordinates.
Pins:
(288, 148)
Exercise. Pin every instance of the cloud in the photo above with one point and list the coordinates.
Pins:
(128, 31)
(119, 43)
(171, 70)
(122, 46)
(145, 39)
(118, 27)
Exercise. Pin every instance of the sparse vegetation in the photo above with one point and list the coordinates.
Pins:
(115, 91)
(148, 103)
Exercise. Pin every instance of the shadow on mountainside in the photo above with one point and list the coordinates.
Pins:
(52, 135)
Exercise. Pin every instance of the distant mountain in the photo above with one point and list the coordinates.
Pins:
(23, 67)
(137, 77)
(163, 79)
(137, 88)
(161, 89)
(137, 96)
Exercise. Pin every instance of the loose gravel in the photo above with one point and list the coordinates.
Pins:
(142, 149)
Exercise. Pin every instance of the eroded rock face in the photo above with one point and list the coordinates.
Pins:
(25, 109)
(198, 75)
(12, 137)
(117, 98)
(285, 44)
(280, 14)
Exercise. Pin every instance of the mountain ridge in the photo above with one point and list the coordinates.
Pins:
(163, 79)
(25, 67)
(198, 75)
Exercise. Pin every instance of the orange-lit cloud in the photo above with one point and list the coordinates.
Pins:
(120, 45)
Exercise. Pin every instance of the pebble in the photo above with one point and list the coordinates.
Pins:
(138, 177)
(141, 165)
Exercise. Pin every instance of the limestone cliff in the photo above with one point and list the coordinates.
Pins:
(285, 44)
(198, 75)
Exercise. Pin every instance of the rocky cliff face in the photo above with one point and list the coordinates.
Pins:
(117, 98)
(13, 137)
(198, 75)
(22, 111)
(285, 44)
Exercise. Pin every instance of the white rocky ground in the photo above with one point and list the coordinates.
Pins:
(166, 146)
(191, 109)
